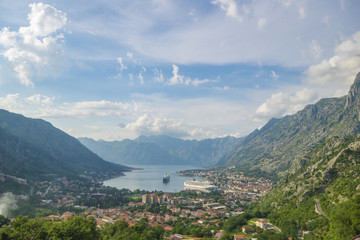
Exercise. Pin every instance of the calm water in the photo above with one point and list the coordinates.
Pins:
(150, 178)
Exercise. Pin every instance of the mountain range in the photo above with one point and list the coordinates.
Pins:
(280, 146)
(34, 149)
(162, 150)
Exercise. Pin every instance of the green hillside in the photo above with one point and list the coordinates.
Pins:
(34, 149)
(324, 196)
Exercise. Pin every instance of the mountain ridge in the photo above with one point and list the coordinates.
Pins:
(34, 148)
(281, 144)
(170, 150)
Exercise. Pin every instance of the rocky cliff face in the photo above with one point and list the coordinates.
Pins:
(353, 95)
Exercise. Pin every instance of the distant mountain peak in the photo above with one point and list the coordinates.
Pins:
(354, 91)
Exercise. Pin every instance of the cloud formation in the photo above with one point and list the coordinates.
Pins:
(282, 104)
(180, 79)
(230, 7)
(341, 68)
(149, 125)
(36, 47)
(101, 108)
(122, 65)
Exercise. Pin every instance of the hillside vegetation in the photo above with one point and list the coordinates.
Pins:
(33, 149)
(324, 196)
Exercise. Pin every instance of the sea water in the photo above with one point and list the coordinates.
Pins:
(150, 178)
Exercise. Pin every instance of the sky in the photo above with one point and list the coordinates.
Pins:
(114, 69)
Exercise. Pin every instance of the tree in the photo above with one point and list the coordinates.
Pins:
(345, 220)
(4, 220)
(77, 228)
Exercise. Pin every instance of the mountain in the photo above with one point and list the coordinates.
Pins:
(281, 144)
(323, 196)
(34, 149)
(129, 152)
(162, 150)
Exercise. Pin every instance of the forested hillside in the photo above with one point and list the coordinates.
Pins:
(34, 149)
(324, 196)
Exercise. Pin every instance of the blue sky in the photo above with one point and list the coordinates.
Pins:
(191, 69)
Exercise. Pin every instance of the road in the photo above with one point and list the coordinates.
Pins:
(318, 208)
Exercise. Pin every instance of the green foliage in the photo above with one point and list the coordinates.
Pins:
(235, 223)
(4, 220)
(345, 220)
(77, 228)
(331, 176)
(288, 227)
(271, 235)
(227, 236)
(35, 150)
(120, 230)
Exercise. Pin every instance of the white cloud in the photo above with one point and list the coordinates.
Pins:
(282, 104)
(41, 100)
(131, 77)
(36, 47)
(180, 79)
(261, 23)
(158, 75)
(187, 118)
(176, 78)
(32, 105)
(148, 125)
(230, 7)
(302, 13)
(197, 82)
(193, 15)
(183, 41)
(274, 75)
(10, 101)
(82, 109)
(129, 54)
(122, 65)
(315, 49)
(340, 69)
(141, 78)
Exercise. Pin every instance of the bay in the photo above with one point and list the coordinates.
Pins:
(150, 178)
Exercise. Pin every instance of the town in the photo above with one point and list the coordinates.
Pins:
(207, 211)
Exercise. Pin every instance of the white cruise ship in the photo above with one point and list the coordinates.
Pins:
(199, 186)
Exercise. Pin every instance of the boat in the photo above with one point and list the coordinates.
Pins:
(166, 178)
(199, 186)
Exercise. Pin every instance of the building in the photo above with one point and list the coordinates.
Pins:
(261, 223)
(240, 237)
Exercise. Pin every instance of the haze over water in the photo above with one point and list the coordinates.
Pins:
(150, 178)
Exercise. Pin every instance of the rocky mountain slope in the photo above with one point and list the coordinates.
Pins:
(324, 196)
(281, 144)
(162, 150)
(34, 149)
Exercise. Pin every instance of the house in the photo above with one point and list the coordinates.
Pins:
(168, 228)
(240, 237)
(218, 235)
(247, 229)
(66, 215)
(261, 223)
